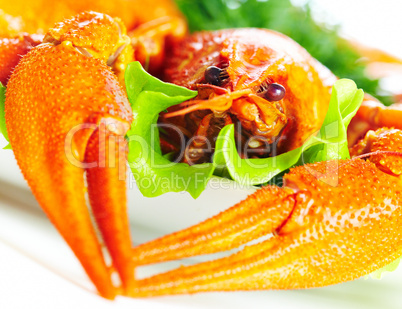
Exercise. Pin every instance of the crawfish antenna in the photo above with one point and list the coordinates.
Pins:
(220, 103)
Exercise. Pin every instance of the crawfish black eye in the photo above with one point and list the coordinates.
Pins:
(275, 92)
(214, 75)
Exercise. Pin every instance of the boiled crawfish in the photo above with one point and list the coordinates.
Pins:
(65, 82)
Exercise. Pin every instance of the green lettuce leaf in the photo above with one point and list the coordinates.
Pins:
(154, 173)
(3, 129)
(329, 143)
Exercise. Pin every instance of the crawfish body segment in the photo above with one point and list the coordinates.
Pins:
(317, 242)
(373, 115)
(99, 36)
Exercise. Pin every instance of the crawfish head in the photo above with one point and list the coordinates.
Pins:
(258, 78)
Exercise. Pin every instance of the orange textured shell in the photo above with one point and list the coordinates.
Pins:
(256, 56)
(11, 51)
(95, 35)
(68, 87)
(382, 140)
(96, 31)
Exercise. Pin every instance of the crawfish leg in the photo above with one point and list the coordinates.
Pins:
(328, 230)
(372, 115)
(199, 150)
(107, 195)
(260, 214)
